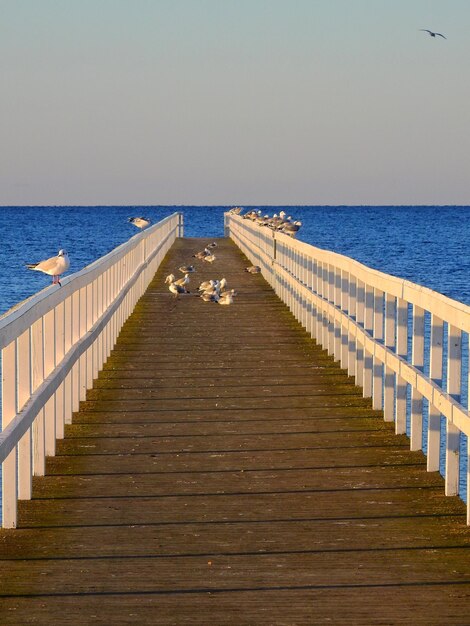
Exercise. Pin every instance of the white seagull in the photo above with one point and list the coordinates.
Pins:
(227, 297)
(176, 289)
(140, 222)
(55, 266)
(182, 282)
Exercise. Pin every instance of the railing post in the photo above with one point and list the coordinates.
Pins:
(360, 312)
(417, 359)
(345, 292)
(435, 374)
(389, 378)
(23, 394)
(180, 225)
(468, 443)
(37, 369)
(9, 504)
(369, 328)
(402, 351)
(378, 332)
(353, 315)
(454, 373)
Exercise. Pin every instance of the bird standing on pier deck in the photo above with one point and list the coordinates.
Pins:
(176, 290)
(55, 266)
(187, 269)
(182, 282)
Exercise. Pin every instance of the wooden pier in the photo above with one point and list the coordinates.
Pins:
(225, 470)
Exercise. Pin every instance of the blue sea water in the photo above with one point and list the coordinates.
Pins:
(425, 244)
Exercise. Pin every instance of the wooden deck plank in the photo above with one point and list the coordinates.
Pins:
(224, 469)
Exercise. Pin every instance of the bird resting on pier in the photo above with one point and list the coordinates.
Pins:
(140, 222)
(55, 266)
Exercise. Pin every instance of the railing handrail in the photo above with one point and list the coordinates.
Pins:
(21, 316)
(363, 318)
(54, 344)
(454, 311)
(399, 287)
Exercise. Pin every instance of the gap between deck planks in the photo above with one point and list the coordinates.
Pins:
(225, 470)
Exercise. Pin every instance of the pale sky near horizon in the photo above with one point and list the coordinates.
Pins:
(234, 102)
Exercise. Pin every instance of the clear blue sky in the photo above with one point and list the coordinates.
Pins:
(234, 102)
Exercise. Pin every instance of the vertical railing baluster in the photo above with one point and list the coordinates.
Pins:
(402, 351)
(59, 355)
(49, 365)
(353, 316)
(37, 373)
(360, 313)
(83, 329)
(68, 401)
(344, 328)
(9, 469)
(435, 374)
(468, 437)
(454, 373)
(389, 377)
(325, 320)
(337, 325)
(331, 299)
(23, 394)
(75, 324)
(417, 359)
(89, 324)
(377, 367)
(369, 328)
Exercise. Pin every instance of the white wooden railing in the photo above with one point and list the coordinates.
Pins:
(54, 344)
(402, 342)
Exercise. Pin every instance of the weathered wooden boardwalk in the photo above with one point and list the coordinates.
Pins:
(224, 470)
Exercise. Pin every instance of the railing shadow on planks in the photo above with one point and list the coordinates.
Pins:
(54, 344)
(405, 345)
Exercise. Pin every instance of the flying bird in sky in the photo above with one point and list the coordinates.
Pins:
(55, 266)
(433, 34)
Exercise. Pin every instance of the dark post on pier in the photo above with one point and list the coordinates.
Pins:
(171, 460)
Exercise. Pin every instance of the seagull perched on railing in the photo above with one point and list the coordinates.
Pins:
(433, 34)
(55, 266)
(140, 222)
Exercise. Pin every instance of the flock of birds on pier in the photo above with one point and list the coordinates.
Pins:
(213, 290)
(280, 222)
(210, 291)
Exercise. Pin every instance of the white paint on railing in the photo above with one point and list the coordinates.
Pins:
(54, 344)
(362, 317)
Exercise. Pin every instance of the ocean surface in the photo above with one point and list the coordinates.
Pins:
(428, 245)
